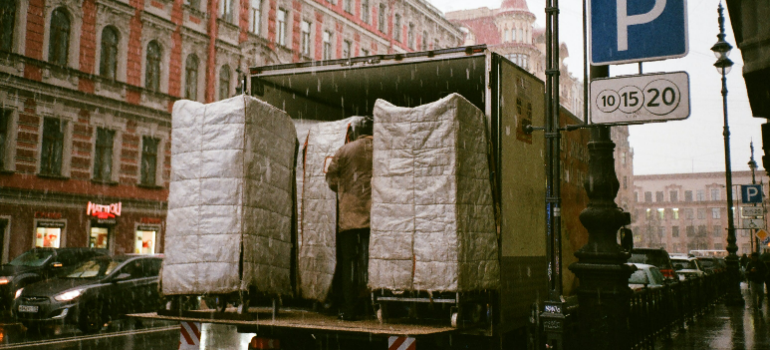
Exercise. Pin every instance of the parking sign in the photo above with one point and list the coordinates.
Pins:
(751, 194)
(626, 31)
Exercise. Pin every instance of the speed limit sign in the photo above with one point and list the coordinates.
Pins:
(640, 99)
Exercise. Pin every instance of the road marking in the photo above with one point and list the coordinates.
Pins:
(89, 337)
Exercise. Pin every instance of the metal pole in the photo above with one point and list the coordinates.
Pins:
(553, 316)
(753, 167)
(734, 296)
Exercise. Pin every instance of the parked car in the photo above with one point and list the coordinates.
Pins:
(710, 265)
(688, 267)
(39, 264)
(100, 289)
(656, 257)
(646, 276)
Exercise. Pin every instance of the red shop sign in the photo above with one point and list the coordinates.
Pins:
(47, 215)
(151, 221)
(104, 211)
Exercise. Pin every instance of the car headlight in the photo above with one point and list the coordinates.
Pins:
(69, 295)
(18, 293)
(5, 280)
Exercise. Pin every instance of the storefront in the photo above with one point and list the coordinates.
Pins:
(49, 229)
(104, 218)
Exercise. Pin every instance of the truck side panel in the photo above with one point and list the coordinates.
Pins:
(522, 189)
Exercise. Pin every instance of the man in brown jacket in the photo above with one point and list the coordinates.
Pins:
(350, 175)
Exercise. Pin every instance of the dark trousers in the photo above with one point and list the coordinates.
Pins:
(351, 274)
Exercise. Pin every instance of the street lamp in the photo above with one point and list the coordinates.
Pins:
(722, 51)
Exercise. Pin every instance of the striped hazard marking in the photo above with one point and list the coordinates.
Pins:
(190, 336)
(402, 343)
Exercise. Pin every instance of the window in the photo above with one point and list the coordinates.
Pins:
(436, 46)
(347, 5)
(48, 236)
(381, 18)
(636, 197)
(224, 82)
(148, 174)
(397, 27)
(688, 196)
(701, 230)
(716, 213)
(5, 135)
(108, 64)
(145, 242)
(227, 10)
(305, 38)
(674, 231)
(255, 14)
(688, 213)
(648, 197)
(700, 196)
(346, 49)
(424, 43)
(714, 194)
(520, 37)
(99, 237)
(152, 73)
(625, 182)
(58, 44)
(365, 11)
(410, 36)
(661, 231)
(718, 246)
(659, 196)
(103, 154)
(673, 196)
(53, 147)
(648, 215)
(717, 231)
(701, 213)
(327, 49)
(280, 38)
(7, 19)
(675, 213)
(690, 231)
(661, 214)
(191, 77)
(623, 159)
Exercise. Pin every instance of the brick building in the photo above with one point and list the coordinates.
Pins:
(682, 212)
(86, 88)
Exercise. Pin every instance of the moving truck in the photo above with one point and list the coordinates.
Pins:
(512, 99)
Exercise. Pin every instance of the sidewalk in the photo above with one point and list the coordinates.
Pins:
(726, 328)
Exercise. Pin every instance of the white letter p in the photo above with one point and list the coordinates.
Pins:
(624, 20)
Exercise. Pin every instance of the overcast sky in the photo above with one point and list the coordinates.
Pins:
(692, 145)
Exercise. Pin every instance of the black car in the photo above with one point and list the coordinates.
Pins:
(39, 264)
(656, 257)
(98, 290)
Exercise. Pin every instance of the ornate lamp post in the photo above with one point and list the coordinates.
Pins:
(722, 51)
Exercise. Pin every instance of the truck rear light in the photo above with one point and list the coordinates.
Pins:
(258, 343)
(668, 273)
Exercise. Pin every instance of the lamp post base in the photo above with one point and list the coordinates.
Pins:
(734, 296)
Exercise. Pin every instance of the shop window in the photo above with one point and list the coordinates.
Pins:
(99, 237)
(152, 73)
(59, 38)
(149, 160)
(103, 154)
(108, 63)
(145, 241)
(224, 82)
(48, 235)
(397, 27)
(327, 48)
(191, 77)
(7, 19)
(256, 16)
(305, 38)
(381, 18)
(53, 147)
(365, 11)
(280, 37)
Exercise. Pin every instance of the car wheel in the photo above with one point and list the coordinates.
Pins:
(91, 317)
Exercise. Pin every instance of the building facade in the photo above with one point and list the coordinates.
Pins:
(683, 212)
(86, 89)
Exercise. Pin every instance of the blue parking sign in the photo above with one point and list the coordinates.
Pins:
(627, 31)
(751, 194)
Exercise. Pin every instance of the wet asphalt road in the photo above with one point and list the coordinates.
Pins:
(733, 328)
